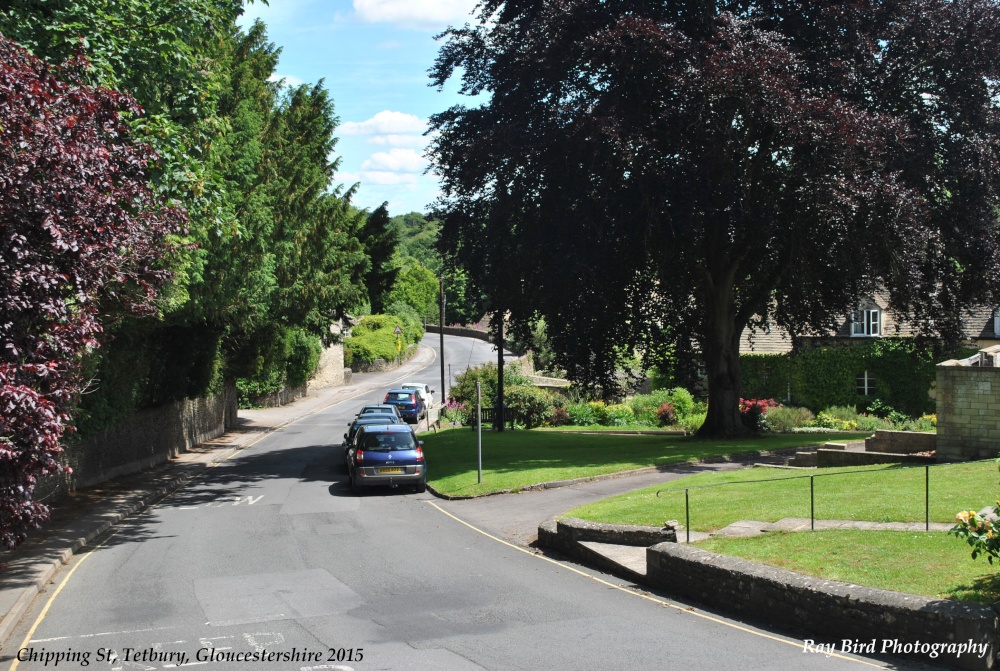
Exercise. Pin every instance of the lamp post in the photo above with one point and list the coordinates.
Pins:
(444, 391)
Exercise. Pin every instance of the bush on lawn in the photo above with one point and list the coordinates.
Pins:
(784, 418)
(531, 406)
(619, 415)
(581, 414)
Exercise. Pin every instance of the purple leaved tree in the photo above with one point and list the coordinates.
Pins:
(79, 228)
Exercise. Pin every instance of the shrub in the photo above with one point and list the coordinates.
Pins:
(619, 415)
(666, 415)
(785, 418)
(531, 406)
(581, 414)
(752, 412)
(464, 389)
(560, 417)
(600, 411)
(373, 338)
(825, 420)
(645, 406)
(982, 533)
(872, 423)
(692, 422)
(684, 403)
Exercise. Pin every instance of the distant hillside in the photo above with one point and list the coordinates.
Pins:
(417, 236)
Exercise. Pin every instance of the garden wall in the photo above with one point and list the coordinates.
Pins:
(832, 610)
(146, 439)
(968, 407)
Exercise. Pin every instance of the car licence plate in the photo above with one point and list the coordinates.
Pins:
(389, 471)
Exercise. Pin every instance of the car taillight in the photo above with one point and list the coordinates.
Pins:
(386, 399)
(359, 455)
(420, 454)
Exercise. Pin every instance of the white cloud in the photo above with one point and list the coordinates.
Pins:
(416, 141)
(289, 79)
(415, 13)
(385, 122)
(395, 160)
(385, 178)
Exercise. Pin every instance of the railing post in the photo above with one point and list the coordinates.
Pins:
(927, 497)
(812, 503)
(687, 516)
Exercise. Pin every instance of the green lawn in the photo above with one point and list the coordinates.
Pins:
(879, 494)
(930, 564)
(517, 459)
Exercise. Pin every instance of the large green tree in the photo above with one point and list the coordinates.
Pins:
(674, 172)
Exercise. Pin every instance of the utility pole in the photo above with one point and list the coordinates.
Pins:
(444, 392)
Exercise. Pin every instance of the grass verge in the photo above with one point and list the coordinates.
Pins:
(929, 564)
(517, 459)
(877, 494)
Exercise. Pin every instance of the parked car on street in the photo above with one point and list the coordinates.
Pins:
(379, 408)
(386, 455)
(424, 390)
(409, 403)
(366, 419)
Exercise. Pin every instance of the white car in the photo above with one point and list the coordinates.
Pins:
(424, 390)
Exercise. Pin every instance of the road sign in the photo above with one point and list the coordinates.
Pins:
(398, 331)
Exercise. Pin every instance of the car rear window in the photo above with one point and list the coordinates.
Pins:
(402, 396)
(389, 441)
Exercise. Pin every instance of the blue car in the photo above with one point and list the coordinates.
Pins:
(386, 455)
(411, 406)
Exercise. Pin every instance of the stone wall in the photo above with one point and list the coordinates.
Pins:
(968, 409)
(832, 610)
(901, 442)
(143, 440)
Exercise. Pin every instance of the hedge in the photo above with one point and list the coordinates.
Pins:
(822, 376)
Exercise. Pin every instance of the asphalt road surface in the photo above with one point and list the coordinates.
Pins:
(271, 562)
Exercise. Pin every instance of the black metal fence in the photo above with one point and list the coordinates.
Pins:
(812, 491)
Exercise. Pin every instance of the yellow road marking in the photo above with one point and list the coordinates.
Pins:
(647, 597)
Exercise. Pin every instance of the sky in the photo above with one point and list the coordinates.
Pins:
(373, 56)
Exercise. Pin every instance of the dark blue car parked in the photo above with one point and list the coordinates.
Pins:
(409, 403)
(386, 455)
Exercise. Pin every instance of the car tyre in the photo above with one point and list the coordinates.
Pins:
(355, 487)
(421, 487)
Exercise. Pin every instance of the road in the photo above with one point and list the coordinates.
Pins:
(270, 561)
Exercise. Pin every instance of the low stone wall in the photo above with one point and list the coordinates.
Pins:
(146, 439)
(567, 535)
(901, 442)
(833, 610)
(459, 331)
(283, 396)
(837, 457)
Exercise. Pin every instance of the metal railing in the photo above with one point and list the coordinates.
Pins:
(812, 492)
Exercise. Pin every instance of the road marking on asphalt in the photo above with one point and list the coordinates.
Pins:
(184, 485)
(647, 597)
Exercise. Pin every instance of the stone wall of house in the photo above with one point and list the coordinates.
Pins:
(145, 439)
(968, 407)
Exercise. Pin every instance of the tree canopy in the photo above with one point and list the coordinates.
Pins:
(81, 229)
(648, 174)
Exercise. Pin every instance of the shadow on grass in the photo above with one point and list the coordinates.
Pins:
(454, 451)
(983, 590)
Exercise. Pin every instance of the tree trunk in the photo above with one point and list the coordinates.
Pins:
(721, 350)
(498, 414)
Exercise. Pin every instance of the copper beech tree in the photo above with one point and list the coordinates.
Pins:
(666, 174)
(80, 231)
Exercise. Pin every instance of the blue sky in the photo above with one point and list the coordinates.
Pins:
(373, 56)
